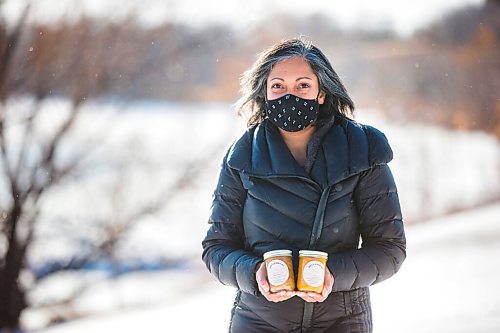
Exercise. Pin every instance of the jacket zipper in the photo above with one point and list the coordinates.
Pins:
(319, 218)
(315, 235)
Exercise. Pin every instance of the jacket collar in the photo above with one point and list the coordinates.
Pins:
(346, 147)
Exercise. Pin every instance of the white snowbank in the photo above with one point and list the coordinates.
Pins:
(439, 171)
(447, 284)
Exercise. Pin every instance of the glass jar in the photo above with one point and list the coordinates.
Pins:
(311, 275)
(279, 270)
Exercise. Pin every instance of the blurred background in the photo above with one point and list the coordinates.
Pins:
(114, 116)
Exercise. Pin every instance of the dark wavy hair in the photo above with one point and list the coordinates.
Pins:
(253, 82)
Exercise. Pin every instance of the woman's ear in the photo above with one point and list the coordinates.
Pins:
(321, 97)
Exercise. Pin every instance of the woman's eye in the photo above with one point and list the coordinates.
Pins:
(276, 86)
(304, 85)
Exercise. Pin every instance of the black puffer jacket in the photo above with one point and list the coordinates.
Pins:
(265, 200)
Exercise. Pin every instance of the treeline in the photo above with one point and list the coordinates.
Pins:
(454, 74)
(123, 60)
(446, 74)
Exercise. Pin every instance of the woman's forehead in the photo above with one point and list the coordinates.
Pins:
(291, 67)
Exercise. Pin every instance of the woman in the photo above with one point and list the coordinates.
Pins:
(303, 176)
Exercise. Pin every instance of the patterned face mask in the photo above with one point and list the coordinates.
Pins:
(292, 113)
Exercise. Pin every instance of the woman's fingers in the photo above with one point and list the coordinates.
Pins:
(328, 286)
(311, 297)
(263, 284)
(261, 277)
(317, 297)
(278, 296)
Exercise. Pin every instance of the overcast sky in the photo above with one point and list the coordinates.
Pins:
(404, 16)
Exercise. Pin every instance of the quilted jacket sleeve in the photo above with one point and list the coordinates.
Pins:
(223, 246)
(383, 248)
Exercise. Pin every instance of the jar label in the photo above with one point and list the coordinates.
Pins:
(277, 272)
(313, 273)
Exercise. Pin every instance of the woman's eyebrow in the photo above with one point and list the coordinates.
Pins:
(299, 78)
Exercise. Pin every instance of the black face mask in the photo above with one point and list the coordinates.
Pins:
(292, 113)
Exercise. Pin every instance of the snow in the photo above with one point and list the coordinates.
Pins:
(447, 284)
(206, 311)
(439, 171)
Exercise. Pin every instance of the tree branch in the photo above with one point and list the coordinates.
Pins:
(26, 140)
(47, 161)
(5, 158)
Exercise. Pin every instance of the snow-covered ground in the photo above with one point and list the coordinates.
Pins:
(448, 284)
(439, 171)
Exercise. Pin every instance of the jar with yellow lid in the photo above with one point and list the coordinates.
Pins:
(311, 276)
(279, 270)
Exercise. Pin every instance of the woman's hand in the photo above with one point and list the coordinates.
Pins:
(316, 297)
(261, 277)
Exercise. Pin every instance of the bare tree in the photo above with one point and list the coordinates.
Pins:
(25, 181)
(54, 59)
(11, 295)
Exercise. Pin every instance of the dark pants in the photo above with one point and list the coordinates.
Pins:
(355, 323)
(342, 312)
